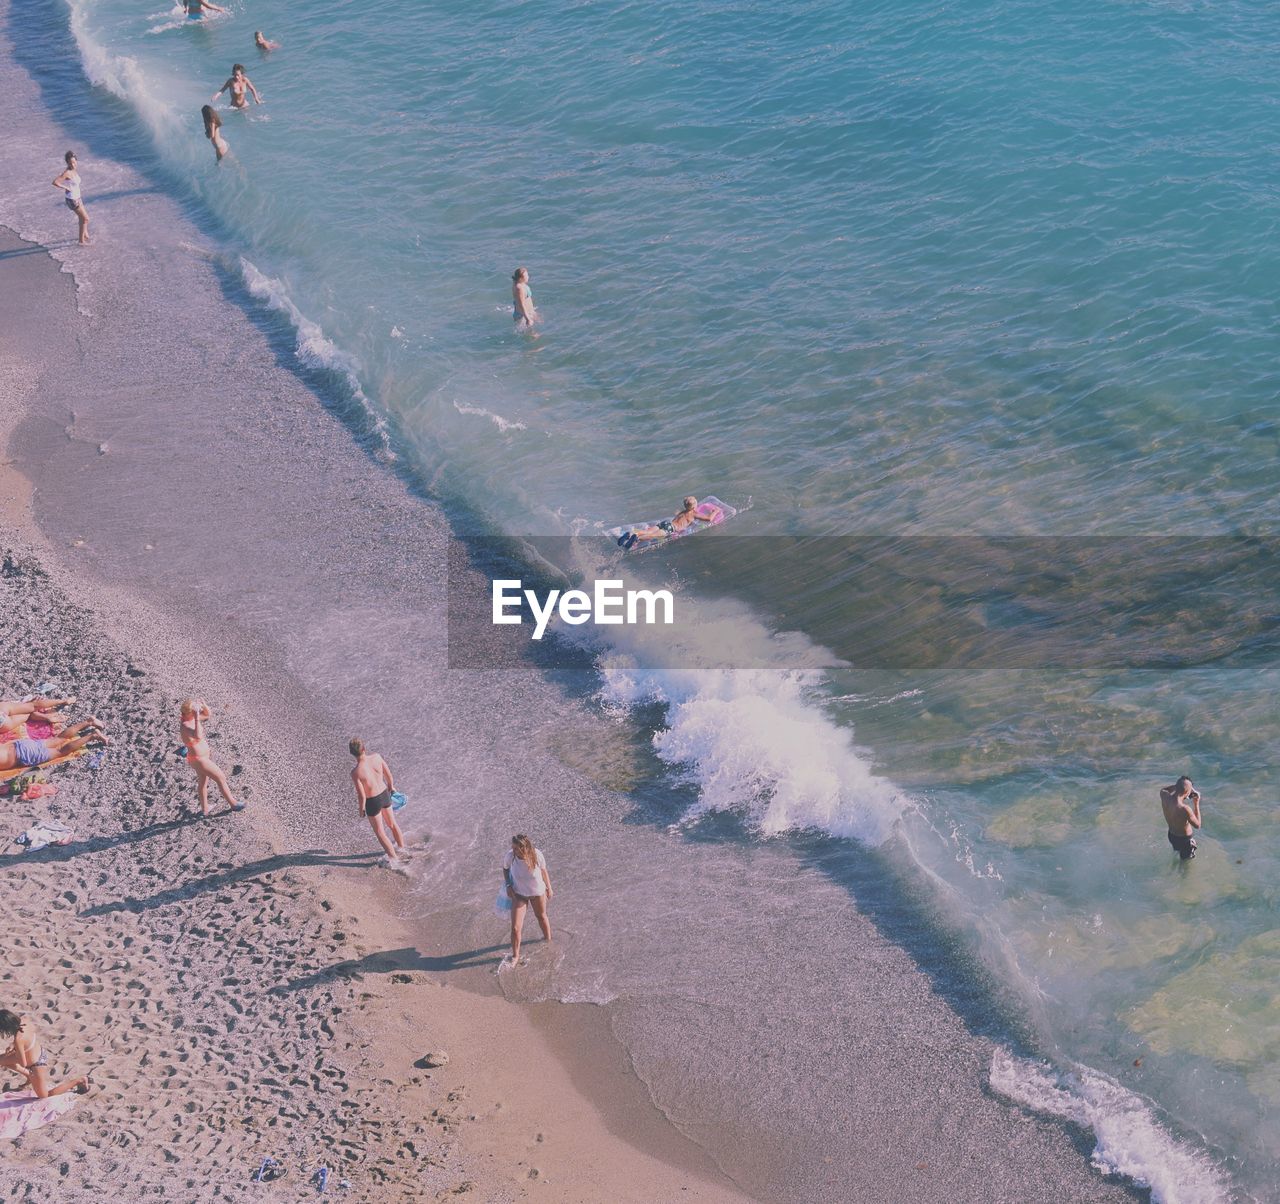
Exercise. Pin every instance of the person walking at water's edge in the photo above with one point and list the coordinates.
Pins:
(522, 311)
(1181, 806)
(199, 756)
(374, 786)
(69, 182)
(524, 870)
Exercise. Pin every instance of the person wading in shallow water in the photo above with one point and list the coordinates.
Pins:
(524, 870)
(69, 182)
(1181, 806)
(374, 784)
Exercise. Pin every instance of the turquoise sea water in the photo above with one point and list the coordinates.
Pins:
(909, 268)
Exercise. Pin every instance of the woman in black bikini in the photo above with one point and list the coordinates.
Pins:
(28, 1057)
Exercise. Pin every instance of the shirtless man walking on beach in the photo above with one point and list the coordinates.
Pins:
(1181, 806)
(374, 784)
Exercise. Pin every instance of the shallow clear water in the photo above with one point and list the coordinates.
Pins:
(888, 268)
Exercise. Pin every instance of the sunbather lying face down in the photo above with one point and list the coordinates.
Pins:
(28, 754)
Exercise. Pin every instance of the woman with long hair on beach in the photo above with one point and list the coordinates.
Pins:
(524, 870)
(69, 181)
(28, 1057)
(200, 758)
(213, 130)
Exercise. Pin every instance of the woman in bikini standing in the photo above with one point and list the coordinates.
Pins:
(213, 130)
(237, 85)
(69, 182)
(194, 713)
(522, 311)
(28, 1057)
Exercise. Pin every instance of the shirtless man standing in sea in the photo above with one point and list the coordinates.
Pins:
(1181, 806)
(374, 784)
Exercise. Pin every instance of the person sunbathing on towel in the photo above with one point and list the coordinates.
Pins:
(29, 754)
(14, 714)
(690, 513)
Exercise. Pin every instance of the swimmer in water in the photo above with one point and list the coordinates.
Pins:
(261, 43)
(237, 85)
(197, 8)
(213, 131)
(690, 513)
(69, 182)
(522, 311)
(1181, 806)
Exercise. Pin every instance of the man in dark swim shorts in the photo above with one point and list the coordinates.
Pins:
(1181, 806)
(374, 784)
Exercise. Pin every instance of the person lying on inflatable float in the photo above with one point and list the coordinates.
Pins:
(679, 524)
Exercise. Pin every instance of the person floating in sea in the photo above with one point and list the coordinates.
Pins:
(374, 785)
(29, 1058)
(261, 43)
(524, 870)
(197, 8)
(237, 85)
(522, 311)
(213, 131)
(194, 713)
(1181, 806)
(69, 182)
(690, 513)
(31, 754)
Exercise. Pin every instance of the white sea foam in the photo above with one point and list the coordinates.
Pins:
(1131, 1141)
(755, 740)
(119, 74)
(314, 348)
(503, 424)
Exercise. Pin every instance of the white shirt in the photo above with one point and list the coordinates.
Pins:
(525, 881)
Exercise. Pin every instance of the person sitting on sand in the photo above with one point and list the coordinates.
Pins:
(31, 754)
(197, 8)
(213, 131)
(522, 311)
(194, 714)
(1181, 806)
(14, 715)
(374, 785)
(524, 870)
(237, 85)
(261, 43)
(689, 514)
(29, 1058)
(69, 182)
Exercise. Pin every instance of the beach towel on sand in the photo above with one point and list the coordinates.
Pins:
(21, 1111)
(7, 775)
(41, 835)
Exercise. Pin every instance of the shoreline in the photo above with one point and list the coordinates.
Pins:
(395, 1009)
(68, 442)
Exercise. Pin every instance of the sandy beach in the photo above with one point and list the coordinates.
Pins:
(185, 508)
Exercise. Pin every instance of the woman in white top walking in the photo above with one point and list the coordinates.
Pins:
(69, 182)
(524, 870)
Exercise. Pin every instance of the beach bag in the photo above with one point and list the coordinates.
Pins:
(502, 904)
